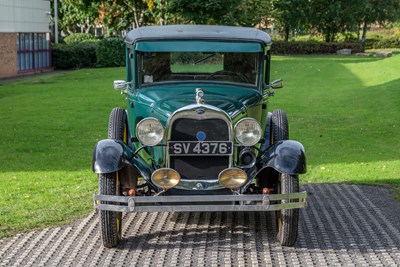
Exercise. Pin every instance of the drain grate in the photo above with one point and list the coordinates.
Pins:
(343, 225)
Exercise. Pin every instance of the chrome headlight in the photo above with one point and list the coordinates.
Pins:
(150, 131)
(248, 132)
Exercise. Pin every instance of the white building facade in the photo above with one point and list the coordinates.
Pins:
(24, 37)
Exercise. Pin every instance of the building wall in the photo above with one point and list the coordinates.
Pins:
(20, 16)
(24, 15)
(8, 54)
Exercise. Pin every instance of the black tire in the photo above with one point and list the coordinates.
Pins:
(279, 126)
(109, 183)
(110, 221)
(287, 221)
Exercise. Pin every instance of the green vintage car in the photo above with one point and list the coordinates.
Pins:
(196, 135)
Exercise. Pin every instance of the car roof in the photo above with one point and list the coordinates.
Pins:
(197, 32)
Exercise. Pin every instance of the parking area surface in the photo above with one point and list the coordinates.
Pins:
(344, 225)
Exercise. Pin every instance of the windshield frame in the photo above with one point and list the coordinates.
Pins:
(206, 47)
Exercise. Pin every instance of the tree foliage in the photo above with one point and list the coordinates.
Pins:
(328, 17)
(374, 11)
(76, 15)
(203, 12)
(290, 15)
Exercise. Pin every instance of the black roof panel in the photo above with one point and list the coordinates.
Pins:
(197, 32)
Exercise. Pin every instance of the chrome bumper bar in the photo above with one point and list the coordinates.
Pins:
(200, 203)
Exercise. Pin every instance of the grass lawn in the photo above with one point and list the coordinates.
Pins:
(345, 110)
(49, 125)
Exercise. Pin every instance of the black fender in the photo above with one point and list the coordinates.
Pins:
(108, 156)
(111, 155)
(285, 156)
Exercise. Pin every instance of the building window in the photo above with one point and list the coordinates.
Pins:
(33, 51)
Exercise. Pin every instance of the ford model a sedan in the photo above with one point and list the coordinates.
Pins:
(196, 134)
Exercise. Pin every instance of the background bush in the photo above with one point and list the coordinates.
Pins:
(110, 52)
(79, 37)
(312, 47)
(392, 42)
(75, 56)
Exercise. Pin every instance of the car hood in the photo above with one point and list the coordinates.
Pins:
(162, 101)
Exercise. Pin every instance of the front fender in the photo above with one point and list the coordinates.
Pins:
(286, 156)
(111, 155)
(108, 156)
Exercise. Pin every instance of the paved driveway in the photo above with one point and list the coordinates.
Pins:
(344, 225)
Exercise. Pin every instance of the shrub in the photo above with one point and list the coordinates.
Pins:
(79, 37)
(369, 43)
(75, 56)
(312, 47)
(110, 52)
(392, 42)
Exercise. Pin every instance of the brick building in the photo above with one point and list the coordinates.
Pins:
(24, 36)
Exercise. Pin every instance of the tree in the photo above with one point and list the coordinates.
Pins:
(289, 15)
(374, 11)
(117, 15)
(331, 17)
(76, 16)
(203, 12)
(252, 13)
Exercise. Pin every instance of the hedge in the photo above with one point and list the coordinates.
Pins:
(312, 47)
(110, 52)
(392, 42)
(79, 37)
(80, 55)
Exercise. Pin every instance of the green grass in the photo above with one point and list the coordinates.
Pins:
(49, 125)
(345, 110)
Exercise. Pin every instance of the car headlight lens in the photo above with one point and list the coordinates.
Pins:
(150, 131)
(248, 132)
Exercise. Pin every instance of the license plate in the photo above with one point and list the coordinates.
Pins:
(195, 148)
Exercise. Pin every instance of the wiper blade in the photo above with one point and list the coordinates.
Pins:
(203, 59)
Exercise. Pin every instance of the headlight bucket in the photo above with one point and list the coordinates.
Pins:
(232, 178)
(166, 178)
(248, 131)
(150, 131)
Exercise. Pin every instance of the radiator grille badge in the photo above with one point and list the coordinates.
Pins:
(201, 136)
(200, 111)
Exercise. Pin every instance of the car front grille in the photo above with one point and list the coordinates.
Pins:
(199, 167)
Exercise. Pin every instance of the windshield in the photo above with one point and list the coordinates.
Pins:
(155, 67)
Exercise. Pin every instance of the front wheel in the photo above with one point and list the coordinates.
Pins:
(287, 220)
(110, 183)
(110, 221)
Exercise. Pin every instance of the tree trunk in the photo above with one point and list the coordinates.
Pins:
(287, 33)
(327, 37)
(364, 32)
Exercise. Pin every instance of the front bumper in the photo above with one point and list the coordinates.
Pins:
(201, 203)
